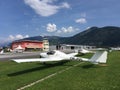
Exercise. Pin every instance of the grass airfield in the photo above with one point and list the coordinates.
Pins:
(85, 76)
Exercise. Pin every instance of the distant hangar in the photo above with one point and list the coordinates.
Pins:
(31, 45)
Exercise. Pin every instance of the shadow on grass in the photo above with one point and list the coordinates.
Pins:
(45, 66)
(89, 66)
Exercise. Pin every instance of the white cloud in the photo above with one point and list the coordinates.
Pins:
(67, 30)
(88, 27)
(26, 36)
(19, 36)
(11, 38)
(45, 7)
(81, 20)
(63, 31)
(16, 37)
(65, 5)
(59, 31)
(51, 27)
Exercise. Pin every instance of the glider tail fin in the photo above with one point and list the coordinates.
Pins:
(99, 57)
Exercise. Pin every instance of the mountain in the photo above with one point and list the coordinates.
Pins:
(52, 39)
(105, 36)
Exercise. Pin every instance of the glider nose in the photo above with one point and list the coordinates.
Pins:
(43, 55)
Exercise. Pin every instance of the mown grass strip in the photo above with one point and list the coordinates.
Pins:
(47, 77)
(86, 76)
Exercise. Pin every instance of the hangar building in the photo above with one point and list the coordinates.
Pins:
(31, 45)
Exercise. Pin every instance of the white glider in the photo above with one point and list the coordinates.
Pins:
(98, 57)
(84, 51)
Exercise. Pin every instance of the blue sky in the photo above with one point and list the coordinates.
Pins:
(26, 18)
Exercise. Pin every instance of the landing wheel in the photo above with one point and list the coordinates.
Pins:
(40, 56)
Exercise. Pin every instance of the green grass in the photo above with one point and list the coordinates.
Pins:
(86, 76)
(14, 75)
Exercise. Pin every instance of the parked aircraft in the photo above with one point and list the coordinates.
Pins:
(55, 55)
(84, 51)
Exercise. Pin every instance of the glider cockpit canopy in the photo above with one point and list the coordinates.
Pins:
(51, 53)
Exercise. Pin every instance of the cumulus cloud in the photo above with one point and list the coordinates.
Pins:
(11, 38)
(16, 37)
(59, 32)
(45, 7)
(67, 30)
(51, 27)
(65, 5)
(53, 30)
(81, 20)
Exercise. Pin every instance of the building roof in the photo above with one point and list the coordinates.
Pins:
(27, 41)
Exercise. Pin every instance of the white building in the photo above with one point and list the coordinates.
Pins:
(66, 47)
(46, 45)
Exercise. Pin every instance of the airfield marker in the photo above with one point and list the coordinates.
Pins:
(47, 77)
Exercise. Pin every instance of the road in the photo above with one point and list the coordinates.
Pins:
(8, 56)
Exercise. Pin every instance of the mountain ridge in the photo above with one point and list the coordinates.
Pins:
(95, 36)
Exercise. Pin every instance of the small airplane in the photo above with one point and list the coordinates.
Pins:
(55, 55)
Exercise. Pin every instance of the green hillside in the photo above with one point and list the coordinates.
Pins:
(105, 36)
